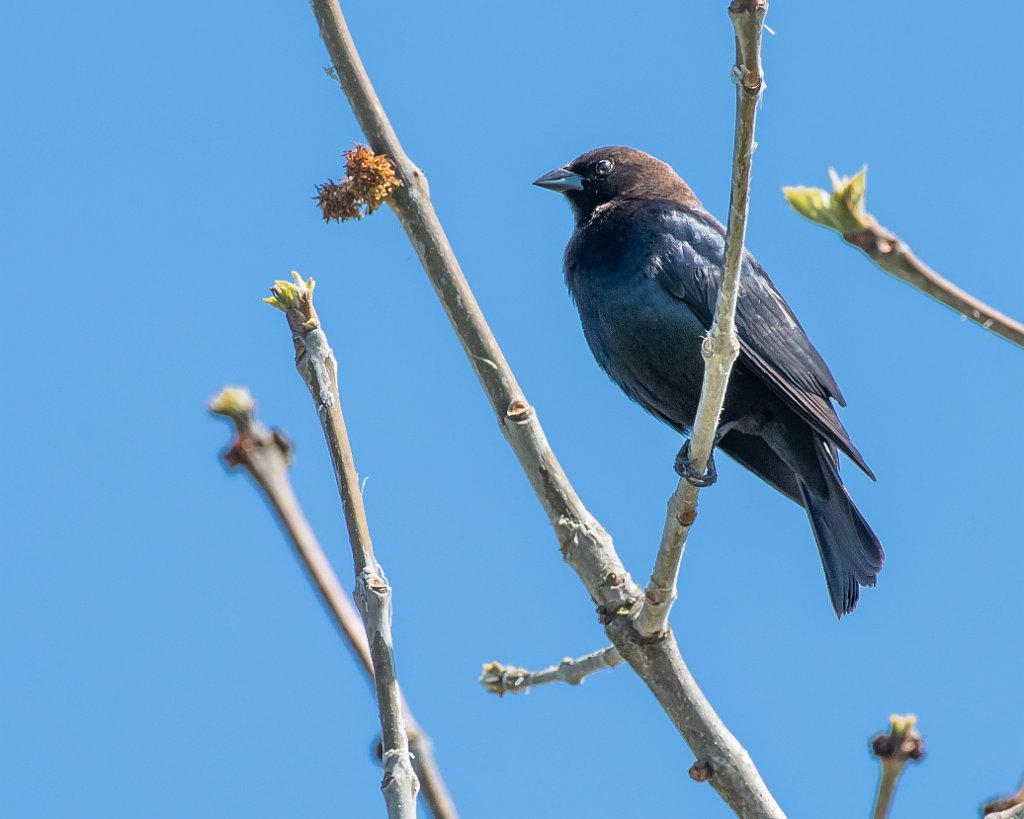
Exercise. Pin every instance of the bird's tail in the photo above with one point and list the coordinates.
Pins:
(850, 552)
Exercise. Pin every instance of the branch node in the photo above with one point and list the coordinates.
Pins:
(707, 346)
(313, 355)
(701, 771)
(902, 744)
(894, 750)
(499, 679)
(251, 437)
(656, 597)
(519, 411)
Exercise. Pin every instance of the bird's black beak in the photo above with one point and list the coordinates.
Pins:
(560, 180)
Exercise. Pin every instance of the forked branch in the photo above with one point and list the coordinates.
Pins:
(586, 546)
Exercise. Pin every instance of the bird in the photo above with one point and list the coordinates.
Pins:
(644, 267)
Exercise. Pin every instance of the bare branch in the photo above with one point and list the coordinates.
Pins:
(721, 347)
(1006, 807)
(315, 362)
(586, 546)
(1016, 812)
(500, 679)
(265, 456)
(844, 212)
(726, 764)
(894, 750)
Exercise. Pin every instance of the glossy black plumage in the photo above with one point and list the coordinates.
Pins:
(643, 266)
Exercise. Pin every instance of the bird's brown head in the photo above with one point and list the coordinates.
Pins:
(613, 173)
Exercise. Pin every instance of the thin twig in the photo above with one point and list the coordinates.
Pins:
(721, 347)
(844, 211)
(501, 679)
(265, 456)
(886, 788)
(318, 367)
(586, 546)
(894, 750)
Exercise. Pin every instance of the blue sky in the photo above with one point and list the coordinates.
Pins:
(164, 655)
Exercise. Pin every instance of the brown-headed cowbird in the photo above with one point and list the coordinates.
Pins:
(644, 266)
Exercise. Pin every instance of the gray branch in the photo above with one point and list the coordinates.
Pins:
(1005, 807)
(1016, 812)
(500, 679)
(843, 211)
(318, 367)
(586, 546)
(265, 456)
(722, 346)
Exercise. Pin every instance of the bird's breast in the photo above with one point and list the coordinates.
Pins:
(644, 338)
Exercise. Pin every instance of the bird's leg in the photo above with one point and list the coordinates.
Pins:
(684, 468)
(684, 465)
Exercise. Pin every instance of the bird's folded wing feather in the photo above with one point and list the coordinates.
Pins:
(688, 264)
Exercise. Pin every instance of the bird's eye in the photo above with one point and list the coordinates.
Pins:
(603, 168)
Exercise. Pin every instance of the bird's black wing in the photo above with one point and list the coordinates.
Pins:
(688, 261)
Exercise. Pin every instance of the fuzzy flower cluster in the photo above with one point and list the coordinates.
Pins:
(369, 180)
